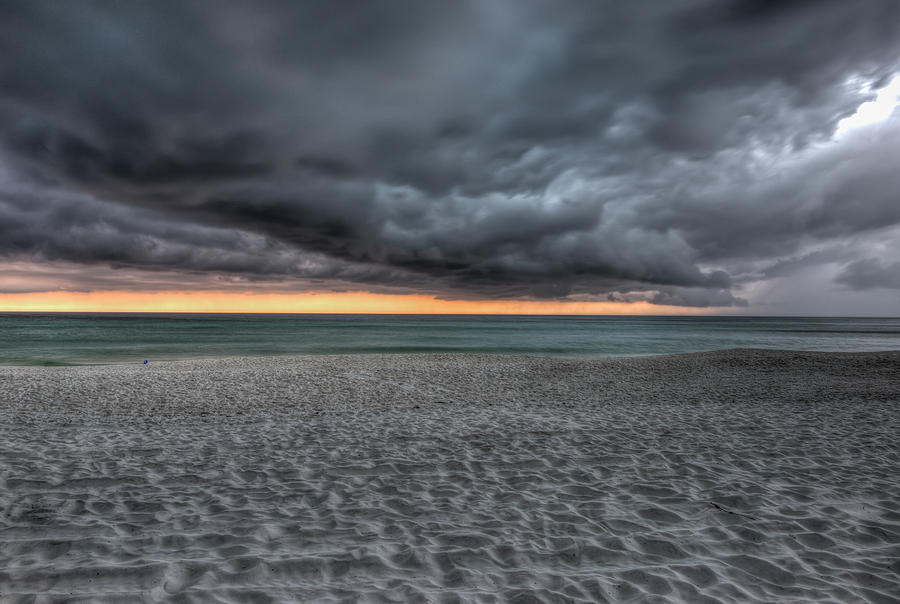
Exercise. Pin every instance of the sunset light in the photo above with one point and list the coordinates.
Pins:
(349, 302)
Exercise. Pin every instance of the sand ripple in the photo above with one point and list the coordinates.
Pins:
(666, 500)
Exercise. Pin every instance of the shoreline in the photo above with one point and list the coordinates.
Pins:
(514, 355)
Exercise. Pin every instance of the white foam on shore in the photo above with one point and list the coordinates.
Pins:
(737, 476)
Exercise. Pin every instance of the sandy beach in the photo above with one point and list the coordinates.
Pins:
(735, 476)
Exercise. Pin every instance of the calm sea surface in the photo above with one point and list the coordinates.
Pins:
(50, 339)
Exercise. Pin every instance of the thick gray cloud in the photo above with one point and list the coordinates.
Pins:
(871, 273)
(470, 149)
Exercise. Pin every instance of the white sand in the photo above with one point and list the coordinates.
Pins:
(742, 476)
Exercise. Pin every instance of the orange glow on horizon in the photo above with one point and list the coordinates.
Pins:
(314, 302)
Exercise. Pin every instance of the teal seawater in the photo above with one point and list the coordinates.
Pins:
(65, 339)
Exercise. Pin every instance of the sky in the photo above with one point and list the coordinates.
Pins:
(599, 156)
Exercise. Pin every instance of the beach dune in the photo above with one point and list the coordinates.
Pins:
(733, 476)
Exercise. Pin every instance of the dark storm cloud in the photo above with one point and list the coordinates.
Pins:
(57, 226)
(475, 148)
(693, 297)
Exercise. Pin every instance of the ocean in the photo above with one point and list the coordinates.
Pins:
(75, 339)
